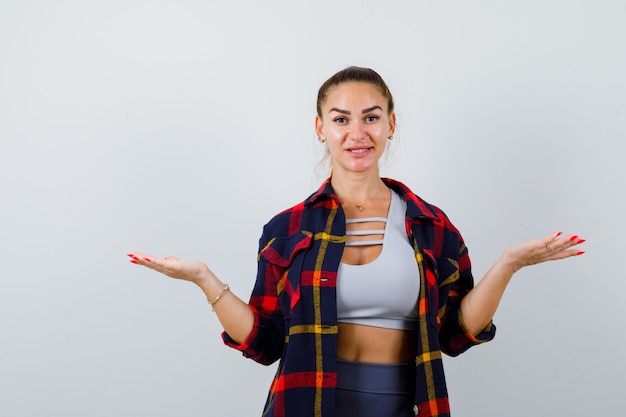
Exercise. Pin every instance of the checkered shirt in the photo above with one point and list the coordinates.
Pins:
(295, 306)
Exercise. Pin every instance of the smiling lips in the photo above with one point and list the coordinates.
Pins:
(359, 151)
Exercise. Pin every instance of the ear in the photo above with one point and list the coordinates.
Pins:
(319, 127)
(392, 124)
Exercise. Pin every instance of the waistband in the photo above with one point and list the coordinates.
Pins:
(396, 378)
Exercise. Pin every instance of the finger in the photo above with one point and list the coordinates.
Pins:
(135, 257)
(151, 262)
(568, 242)
(550, 238)
(564, 248)
(565, 253)
(555, 236)
(556, 242)
(547, 243)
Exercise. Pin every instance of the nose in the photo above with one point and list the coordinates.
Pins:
(357, 132)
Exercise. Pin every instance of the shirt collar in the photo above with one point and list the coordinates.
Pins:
(416, 207)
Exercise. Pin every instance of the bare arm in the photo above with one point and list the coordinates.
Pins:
(234, 314)
(481, 303)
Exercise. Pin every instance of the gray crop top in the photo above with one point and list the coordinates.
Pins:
(382, 293)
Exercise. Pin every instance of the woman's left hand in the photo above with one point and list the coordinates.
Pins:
(549, 248)
(480, 304)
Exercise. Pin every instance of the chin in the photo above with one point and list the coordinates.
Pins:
(363, 169)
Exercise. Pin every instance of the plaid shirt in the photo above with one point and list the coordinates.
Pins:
(295, 306)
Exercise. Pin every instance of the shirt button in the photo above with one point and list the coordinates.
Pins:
(416, 410)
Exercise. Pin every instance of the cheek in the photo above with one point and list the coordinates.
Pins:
(379, 129)
(335, 133)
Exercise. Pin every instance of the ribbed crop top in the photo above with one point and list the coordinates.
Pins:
(382, 293)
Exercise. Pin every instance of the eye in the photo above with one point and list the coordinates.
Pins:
(371, 118)
(340, 120)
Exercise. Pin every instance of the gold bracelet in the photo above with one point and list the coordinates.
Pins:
(212, 303)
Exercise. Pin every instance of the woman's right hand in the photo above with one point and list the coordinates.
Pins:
(236, 316)
(193, 271)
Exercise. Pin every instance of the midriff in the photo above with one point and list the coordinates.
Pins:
(359, 343)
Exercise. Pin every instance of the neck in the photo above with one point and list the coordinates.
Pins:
(357, 189)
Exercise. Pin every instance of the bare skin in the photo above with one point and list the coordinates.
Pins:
(359, 343)
(356, 125)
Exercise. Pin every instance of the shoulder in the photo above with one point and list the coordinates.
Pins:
(308, 214)
(417, 207)
(285, 223)
(422, 213)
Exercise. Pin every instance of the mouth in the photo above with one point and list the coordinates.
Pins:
(359, 150)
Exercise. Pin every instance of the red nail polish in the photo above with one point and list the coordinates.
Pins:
(133, 261)
(559, 234)
(579, 253)
(146, 259)
(581, 241)
(130, 254)
(573, 237)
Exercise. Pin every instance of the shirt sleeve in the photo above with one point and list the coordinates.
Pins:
(265, 342)
(455, 281)
(271, 297)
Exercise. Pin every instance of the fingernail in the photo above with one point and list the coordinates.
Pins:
(130, 254)
(581, 241)
(579, 253)
(573, 237)
(559, 234)
(133, 261)
(146, 259)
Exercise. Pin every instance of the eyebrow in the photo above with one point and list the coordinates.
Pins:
(367, 110)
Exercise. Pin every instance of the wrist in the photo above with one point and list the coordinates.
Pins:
(209, 283)
(509, 263)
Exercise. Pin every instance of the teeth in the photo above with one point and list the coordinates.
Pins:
(359, 150)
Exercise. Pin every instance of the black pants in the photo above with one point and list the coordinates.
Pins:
(374, 390)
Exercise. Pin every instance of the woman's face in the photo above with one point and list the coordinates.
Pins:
(355, 126)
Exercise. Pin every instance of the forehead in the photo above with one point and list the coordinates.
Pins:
(355, 94)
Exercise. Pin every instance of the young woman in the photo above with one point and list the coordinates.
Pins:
(363, 285)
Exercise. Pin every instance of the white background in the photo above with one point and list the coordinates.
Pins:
(180, 127)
